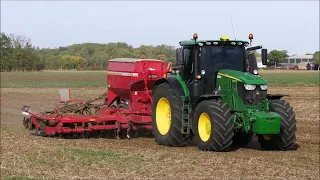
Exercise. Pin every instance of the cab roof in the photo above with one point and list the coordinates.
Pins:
(192, 42)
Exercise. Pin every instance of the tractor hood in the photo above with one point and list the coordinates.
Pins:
(243, 77)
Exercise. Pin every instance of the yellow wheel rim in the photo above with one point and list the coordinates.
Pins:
(204, 127)
(163, 116)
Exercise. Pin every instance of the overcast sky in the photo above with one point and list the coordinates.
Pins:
(290, 25)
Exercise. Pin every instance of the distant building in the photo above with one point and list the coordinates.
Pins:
(300, 61)
(296, 59)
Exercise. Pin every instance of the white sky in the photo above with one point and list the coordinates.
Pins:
(290, 25)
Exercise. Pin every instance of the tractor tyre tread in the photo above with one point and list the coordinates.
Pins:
(174, 137)
(286, 139)
(222, 127)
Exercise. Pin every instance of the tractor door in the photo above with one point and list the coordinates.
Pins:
(185, 62)
(208, 69)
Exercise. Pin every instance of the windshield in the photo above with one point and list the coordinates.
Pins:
(222, 57)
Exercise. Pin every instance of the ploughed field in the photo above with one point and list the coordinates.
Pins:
(26, 156)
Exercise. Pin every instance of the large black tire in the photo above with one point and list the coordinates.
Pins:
(221, 134)
(286, 139)
(173, 136)
(241, 139)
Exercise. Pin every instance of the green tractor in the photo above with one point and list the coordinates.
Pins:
(217, 98)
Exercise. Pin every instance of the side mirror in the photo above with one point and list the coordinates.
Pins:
(264, 56)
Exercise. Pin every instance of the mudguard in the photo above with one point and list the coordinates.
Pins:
(176, 84)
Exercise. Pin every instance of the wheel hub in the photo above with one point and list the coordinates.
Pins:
(163, 116)
(204, 127)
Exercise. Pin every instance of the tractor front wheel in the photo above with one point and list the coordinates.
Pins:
(213, 126)
(285, 140)
(166, 116)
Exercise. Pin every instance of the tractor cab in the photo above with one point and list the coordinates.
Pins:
(200, 61)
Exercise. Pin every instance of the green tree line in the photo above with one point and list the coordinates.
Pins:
(17, 53)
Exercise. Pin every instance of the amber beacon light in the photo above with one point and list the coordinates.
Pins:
(195, 36)
(250, 36)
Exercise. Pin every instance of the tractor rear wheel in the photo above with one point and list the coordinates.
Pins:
(166, 116)
(285, 140)
(213, 126)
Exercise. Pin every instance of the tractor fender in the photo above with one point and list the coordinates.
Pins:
(207, 97)
(173, 83)
(276, 96)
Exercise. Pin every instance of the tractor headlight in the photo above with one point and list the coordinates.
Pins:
(249, 87)
(264, 87)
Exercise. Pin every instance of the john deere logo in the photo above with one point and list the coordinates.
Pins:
(258, 93)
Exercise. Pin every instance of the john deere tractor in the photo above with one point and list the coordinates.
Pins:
(218, 98)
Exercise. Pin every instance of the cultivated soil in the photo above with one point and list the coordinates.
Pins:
(26, 155)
